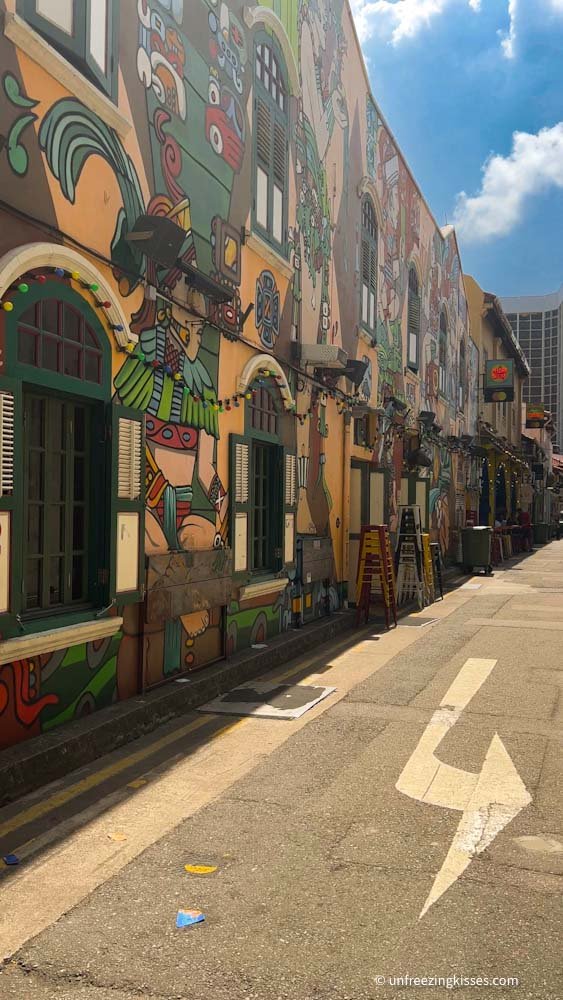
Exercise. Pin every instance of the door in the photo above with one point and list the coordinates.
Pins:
(367, 506)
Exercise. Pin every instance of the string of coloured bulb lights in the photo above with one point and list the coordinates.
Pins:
(22, 287)
(344, 402)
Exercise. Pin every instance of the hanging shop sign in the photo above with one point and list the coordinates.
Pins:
(499, 381)
(535, 415)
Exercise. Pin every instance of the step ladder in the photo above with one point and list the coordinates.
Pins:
(375, 578)
(409, 555)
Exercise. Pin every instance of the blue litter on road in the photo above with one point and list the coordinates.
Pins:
(11, 859)
(186, 918)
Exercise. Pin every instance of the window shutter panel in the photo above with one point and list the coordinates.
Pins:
(365, 262)
(239, 490)
(129, 459)
(128, 506)
(373, 269)
(413, 320)
(279, 154)
(290, 506)
(7, 410)
(263, 133)
(106, 75)
(414, 313)
(11, 502)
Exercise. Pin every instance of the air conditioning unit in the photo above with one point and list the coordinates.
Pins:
(324, 356)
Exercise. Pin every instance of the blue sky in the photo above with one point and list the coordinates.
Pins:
(456, 79)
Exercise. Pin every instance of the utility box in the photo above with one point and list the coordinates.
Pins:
(315, 560)
(315, 573)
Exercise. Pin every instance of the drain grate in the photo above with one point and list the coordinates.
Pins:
(268, 700)
(415, 622)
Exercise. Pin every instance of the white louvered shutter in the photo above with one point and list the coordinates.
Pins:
(7, 410)
(11, 496)
(290, 506)
(129, 459)
(128, 501)
(239, 488)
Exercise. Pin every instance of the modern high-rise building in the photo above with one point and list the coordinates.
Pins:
(537, 321)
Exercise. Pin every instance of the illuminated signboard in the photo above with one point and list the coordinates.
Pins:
(535, 415)
(499, 381)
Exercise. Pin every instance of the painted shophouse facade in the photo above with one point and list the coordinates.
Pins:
(190, 446)
(504, 468)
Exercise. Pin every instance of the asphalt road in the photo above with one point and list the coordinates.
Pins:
(323, 865)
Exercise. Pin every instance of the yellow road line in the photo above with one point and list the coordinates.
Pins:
(93, 780)
(61, 798)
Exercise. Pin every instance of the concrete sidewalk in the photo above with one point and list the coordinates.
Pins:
(34, 763)
(324, 855)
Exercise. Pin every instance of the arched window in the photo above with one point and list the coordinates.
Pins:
(442, 347)
(413, 319)
(368, 301)
(263, 412)
(462, 376)
(270, 143)
(263, 480)
(71, 483)
(55, 336)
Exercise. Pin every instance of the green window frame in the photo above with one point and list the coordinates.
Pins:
(413, 320)
(270, 143)
(442, 350)
(462, 376)
(262, 491)
(63, 512)
(361, 431)
(68, 25)
(266, 505)
(368, 267)
(110, 554)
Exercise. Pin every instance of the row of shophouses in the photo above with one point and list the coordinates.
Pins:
(231, 333)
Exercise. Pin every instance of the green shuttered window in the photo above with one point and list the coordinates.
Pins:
(442, 348)
(71, 470)
(84, 31)
(368, 265)
(263, 492)
(270, 144)
(413, 319)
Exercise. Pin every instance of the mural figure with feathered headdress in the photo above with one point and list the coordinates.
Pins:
(172, 372)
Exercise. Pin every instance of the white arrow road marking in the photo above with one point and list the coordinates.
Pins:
(488, 801)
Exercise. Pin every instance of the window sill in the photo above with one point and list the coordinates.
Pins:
(263, 249)
(369, 338)
(34, 46)
(58, 638)
(273, 586)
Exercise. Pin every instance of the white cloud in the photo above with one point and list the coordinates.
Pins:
(400, 18)
(508, 38)
(534, 165)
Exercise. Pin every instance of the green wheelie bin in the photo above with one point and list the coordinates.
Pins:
(476, 548)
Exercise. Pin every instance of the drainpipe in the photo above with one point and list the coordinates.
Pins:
(346, 474)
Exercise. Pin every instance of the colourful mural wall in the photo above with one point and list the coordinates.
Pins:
(183, 148)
